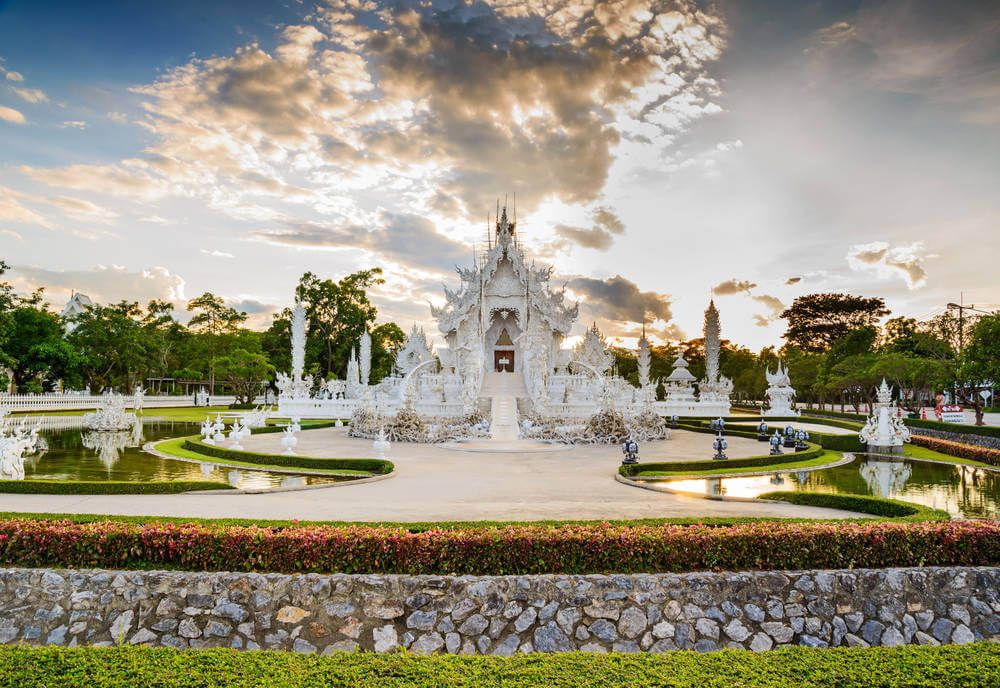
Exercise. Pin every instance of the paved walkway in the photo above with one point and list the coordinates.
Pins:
(435, 484)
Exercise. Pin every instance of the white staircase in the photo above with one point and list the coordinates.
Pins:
(503, 390)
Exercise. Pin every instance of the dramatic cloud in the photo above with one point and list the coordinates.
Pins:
(618, 298)
(442, 103)
(104, 283)
(11, 115)
(409, 240)
(600, 235)
(944, 53)
(886, 261)
(733, 286)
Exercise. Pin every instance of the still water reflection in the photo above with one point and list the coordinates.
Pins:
(960, 490)
(76, 454)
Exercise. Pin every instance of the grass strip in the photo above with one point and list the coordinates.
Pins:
(866, 504)
(107, 487)
(723, 467)
(176, 448)
(371, 466)
(957, 666)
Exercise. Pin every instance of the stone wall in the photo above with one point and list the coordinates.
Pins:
(503, 614)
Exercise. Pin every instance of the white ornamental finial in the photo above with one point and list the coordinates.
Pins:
(298, 341)
(884, 393)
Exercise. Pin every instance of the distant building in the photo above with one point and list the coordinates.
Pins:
(76, 305)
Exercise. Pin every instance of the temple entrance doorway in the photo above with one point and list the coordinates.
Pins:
(503, 361)
(503, 353)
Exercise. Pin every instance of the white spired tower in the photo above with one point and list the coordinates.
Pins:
(714, 388)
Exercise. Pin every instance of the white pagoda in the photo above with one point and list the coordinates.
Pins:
(504, 329)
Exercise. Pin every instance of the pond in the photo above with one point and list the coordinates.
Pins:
(77, 454)
(964, 491)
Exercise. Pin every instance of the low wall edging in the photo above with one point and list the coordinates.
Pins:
(501, 614)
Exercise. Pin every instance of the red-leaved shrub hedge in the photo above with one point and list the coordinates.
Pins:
(509, 550)
(966, 451)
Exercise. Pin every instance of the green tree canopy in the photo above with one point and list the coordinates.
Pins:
(816, 321)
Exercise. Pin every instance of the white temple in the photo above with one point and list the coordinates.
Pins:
(504, 329)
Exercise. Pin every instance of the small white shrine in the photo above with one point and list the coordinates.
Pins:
(780, 393)
(504, 329)
(885, 433)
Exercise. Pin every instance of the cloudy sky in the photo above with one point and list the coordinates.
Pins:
(660, 151)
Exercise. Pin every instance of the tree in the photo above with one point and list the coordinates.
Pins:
(213, 318)
(979, 365)
(35, 350)
(338, 313)
(816, 321)
(387, 339)
(246, 371)
(112, 345)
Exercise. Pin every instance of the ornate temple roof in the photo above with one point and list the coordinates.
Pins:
(475, 281)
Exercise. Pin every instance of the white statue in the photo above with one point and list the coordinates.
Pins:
(885, 478)
(365, 359)
(296, 385)
(715, 388)
(884, 432)
(217, 428)
(15, 443)
(236, 434)
(381, 444)
(289, 440)
(208, 430)
(779, 393)
(110, 415)
(138, 397)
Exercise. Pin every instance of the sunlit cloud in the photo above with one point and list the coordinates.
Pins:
(906, 261)
(8, 114)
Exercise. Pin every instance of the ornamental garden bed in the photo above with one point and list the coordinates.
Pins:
(498, 551)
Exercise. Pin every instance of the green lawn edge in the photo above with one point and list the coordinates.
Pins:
(911, 666)
(175, 447)
(721, 467)
(894, 509)
(107, 487)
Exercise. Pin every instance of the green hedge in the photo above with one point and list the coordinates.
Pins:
(813, 452)
(844, 443)
(512, 550)
(958, 428)
(375, 466)
(107, 487)
(956, 666)
(305, 425)
(862, 504)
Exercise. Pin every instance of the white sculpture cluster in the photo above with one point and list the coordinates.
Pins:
(779, 393)
(296, 385)
(504, 319)
(16, 442)
(884, 433)
(110, 415)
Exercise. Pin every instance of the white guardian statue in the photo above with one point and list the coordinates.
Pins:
(779, 393)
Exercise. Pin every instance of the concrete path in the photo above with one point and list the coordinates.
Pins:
(434, 484)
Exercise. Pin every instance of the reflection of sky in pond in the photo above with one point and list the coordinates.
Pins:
(959, 490)
(73, 454)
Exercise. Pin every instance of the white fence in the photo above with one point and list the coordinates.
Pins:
(76, 402)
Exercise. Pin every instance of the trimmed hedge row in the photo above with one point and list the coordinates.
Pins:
(848, 443)
(958, 428)
(375, 466)
(956, 666)
(108, 487)
(814, 452)
(965, 451)
(601, 548)
(864, 504)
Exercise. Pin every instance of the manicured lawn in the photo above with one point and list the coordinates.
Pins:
(953, 666)
(826, 457)
(175, 447)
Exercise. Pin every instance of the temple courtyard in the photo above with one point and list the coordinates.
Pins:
(447, 483)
